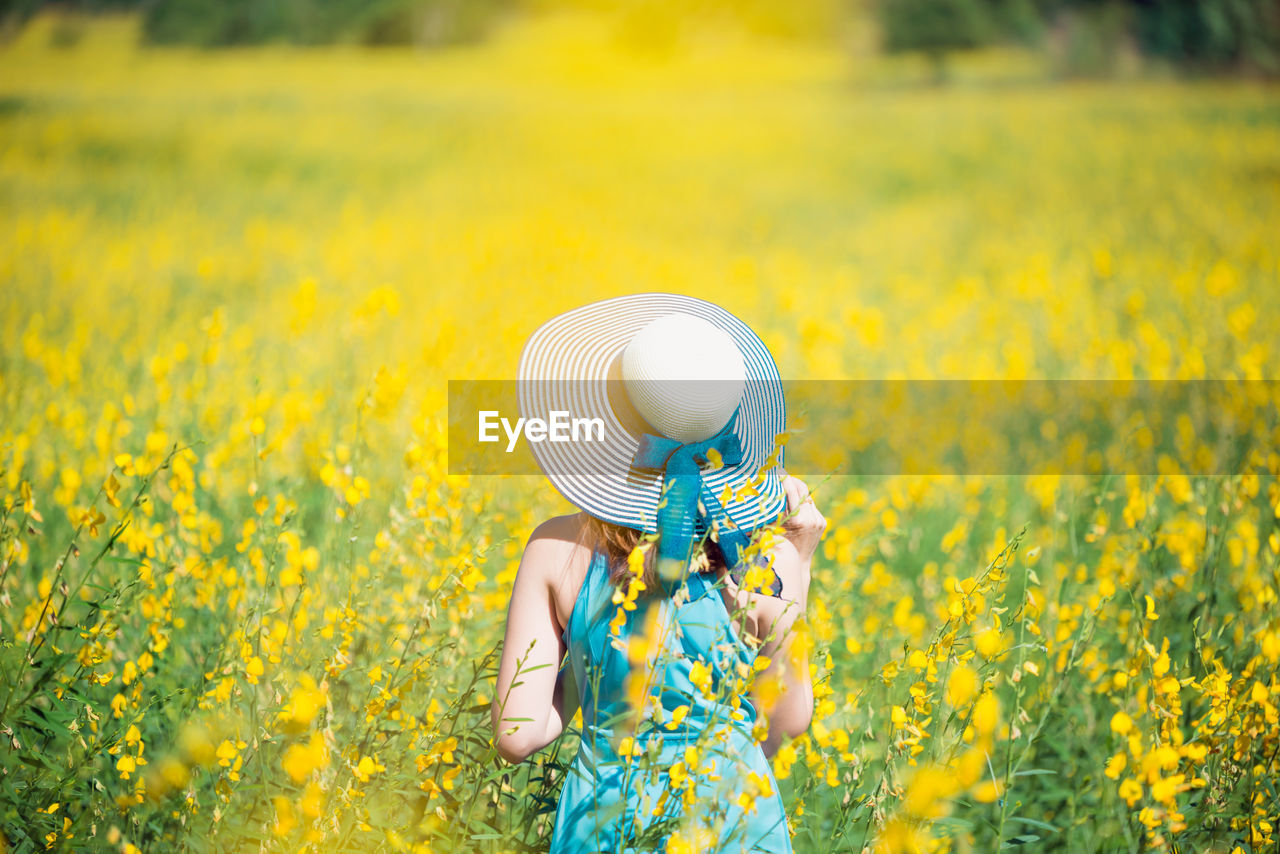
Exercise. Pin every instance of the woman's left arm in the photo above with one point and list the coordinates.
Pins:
(528, 710)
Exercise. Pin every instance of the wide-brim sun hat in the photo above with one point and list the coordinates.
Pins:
(615, 360)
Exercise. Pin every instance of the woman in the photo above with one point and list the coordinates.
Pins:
(687, 677)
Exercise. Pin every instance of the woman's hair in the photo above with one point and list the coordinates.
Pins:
(618, 542)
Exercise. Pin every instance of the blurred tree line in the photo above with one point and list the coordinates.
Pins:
(224, 23)
(1088, 35)
(1085, 35)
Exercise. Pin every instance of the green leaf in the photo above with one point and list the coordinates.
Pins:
(1021, 839)
(524, 670)
(1042, 825)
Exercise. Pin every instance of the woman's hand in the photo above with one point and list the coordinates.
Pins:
(806, 525)
(790, 712)
(804, 529)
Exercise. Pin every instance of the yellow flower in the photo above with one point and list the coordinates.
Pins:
(1165, 788)
(628, 747)
(312, 800)
(225, 753)
(962, 684)
(1271, 643)
(987, 792)
(1121, 723)
(987, 642)
(761, 784)
(300, 760)
(367, 767)
(678, 844)
(1116, 765)
(899, 836)
(196, 744)
(928, 792)
(171, 774)
(304, 704)
(783, 760)
(678, 714)
(986, 713)
(690, 840)
(700, 676)
(1259, 693)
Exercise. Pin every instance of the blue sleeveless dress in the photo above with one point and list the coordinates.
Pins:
(618, 803)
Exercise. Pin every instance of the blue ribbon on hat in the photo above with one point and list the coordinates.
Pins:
(687, 507)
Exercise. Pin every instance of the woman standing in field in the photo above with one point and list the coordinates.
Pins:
(674, 590)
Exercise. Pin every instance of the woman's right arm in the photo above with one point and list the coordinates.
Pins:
(784, 691)
(528, 710)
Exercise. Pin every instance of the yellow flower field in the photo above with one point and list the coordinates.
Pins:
(247, 607)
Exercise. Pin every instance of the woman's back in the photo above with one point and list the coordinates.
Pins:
(675, 463)
(667, 726)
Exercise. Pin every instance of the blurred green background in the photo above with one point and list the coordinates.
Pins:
(1083, 37)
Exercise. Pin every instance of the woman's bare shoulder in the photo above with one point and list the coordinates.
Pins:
(557, 545)
(559, 533)
(559, 553)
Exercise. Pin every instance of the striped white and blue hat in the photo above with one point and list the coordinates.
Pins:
(574, 363)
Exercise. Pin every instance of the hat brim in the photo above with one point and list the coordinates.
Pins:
(569, 365)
